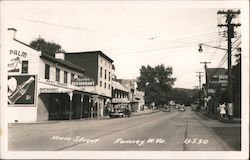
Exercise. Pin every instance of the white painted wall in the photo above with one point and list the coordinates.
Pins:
(23, 113)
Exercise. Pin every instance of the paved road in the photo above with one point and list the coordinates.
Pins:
(160, 131)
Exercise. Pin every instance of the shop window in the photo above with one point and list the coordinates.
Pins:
(47, 71)
(105, 76)
(57, 75)
(101, 72)
(65, 77)
(24, 66)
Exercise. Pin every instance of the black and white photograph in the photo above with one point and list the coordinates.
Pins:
(124, 79)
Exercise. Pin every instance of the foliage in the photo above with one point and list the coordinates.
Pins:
(156, 83)
(49, 48)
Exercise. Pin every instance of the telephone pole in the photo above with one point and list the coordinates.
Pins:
(199, 78)
(205, 66)
(229, 14)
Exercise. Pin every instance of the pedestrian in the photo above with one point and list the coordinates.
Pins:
(222, 110)
(230, 111)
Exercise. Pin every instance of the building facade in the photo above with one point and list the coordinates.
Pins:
(42, 87)
(98, 66)
(136, 97)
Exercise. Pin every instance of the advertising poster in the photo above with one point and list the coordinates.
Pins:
(21, 89)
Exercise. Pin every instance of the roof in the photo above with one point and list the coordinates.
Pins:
(118, 86)
(216, 71)
(62, 62)
(93, 52)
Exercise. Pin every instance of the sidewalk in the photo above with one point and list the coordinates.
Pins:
(133, 114)
(224, 120)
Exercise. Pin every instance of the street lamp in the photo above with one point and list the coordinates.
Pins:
(202, 44)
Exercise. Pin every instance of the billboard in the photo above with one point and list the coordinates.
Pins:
(21, 89)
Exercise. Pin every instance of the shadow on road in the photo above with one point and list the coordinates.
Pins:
(230, 135)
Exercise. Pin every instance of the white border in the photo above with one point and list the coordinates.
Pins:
(242, 4)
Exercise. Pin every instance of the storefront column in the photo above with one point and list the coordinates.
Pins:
(70, 104)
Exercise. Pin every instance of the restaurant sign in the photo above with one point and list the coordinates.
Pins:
(83, 81)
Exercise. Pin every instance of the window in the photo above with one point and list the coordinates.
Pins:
(72, 77)
(109, 86)
(57, 75)
(24, 66)
(101, 72)
(65, 77)
(47, 71)
(109, 76)
(100, 83)
(105, 76)
(105, 85)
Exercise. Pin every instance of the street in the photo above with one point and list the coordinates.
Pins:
(158, 131)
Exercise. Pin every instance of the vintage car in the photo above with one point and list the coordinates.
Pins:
(166, 109)
(181, 108)
(120, 112)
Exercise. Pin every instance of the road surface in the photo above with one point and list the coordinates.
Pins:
(159, 131)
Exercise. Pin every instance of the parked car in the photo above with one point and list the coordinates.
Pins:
(120, 112)
(181, 108)
(166, 109)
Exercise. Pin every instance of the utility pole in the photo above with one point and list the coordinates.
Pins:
(199, 78)
(205, 66)
(230, 14)
(206, 85)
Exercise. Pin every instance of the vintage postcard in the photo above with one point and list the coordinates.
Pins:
(125, 79)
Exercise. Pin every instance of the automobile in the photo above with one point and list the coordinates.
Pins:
(166, 109)
(120, 112)
(181, 108)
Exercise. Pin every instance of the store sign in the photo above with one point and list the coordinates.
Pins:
(56, 83)
(21, 89)
(119, 100)
(47, 88)
(83, 81)
(15, 60)
(211, 91)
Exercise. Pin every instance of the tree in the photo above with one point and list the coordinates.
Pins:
(156, 83)
(49, 48)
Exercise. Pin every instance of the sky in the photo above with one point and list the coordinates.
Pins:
(131, 33)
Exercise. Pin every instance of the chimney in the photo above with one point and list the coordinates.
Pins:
(60, 56)
(12, 33)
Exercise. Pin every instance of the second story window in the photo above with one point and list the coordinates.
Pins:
(47, 71)
(57, 75)
(24, 66)
(65, 77)
(105, 76)
(101, 72)
(72, 77)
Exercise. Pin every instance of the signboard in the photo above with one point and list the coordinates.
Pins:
(21, 89)
(83, 81)
(47, 88)
(15, 60)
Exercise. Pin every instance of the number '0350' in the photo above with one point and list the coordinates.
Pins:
(195, 141)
